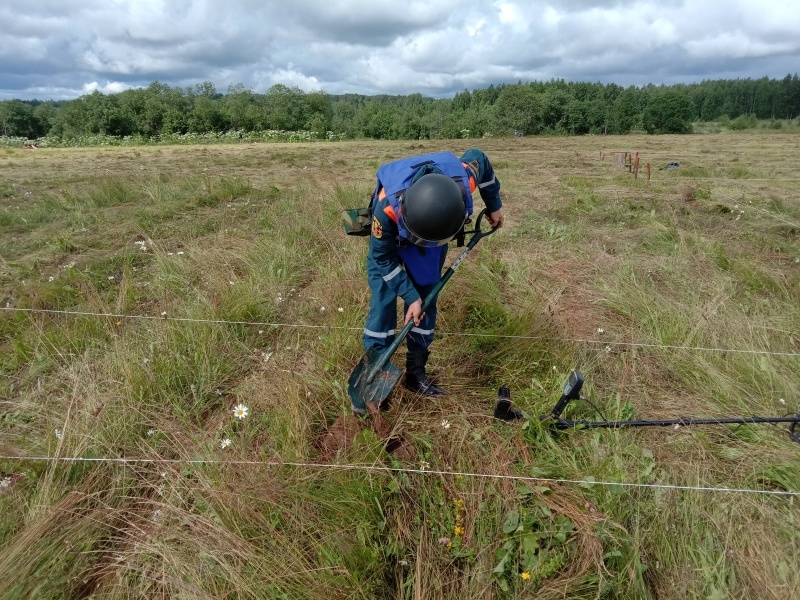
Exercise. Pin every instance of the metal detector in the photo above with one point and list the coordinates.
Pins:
(572, 391)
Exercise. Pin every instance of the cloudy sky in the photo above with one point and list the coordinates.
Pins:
(58, 49)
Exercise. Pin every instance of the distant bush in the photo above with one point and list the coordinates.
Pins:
(226, 137)
(743, 122)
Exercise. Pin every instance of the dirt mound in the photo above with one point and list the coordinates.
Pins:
(340, 437)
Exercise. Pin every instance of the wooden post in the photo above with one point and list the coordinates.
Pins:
(648, 171)
(636, 167)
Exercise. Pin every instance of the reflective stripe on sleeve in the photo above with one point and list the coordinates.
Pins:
(488, 183)
(393, 274)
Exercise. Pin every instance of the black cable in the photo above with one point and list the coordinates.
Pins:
(597, 410)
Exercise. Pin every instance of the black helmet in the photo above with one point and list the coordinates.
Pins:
(433, 210)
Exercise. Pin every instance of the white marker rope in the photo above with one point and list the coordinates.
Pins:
(341, 327)
(774, 216)
(422, 471)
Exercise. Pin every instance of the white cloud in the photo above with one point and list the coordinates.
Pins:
(511, 14)
(738, 45)
(378, 46)
(110, 87)
(292, 78)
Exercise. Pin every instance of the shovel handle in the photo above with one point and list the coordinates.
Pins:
(477, 235)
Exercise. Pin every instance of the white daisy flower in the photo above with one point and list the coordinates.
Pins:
(151, 432)
(600, 330)
(424, 465)
(225, 443)
(59, 434)
(445, 424)
(340, 309)
(240, 411)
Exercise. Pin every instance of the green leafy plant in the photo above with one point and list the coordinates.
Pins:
(535, 546)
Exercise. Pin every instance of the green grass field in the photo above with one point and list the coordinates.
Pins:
(148, 291)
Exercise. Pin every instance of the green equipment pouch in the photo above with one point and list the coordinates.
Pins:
(357, 221)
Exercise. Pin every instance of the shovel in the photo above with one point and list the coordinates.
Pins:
(375, 376)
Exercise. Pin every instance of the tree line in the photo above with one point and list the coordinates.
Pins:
(553, 107)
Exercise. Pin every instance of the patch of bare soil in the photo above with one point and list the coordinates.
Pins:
(340, 436)
(393, 440)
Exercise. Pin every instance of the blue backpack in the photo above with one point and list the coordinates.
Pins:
(397, 176)
(424, 264)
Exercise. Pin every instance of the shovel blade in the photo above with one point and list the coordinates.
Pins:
(378, 389)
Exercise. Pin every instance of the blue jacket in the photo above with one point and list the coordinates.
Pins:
(386, 257)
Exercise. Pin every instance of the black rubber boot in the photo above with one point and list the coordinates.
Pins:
(416, 379)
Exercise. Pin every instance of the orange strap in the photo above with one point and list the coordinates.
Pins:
(472, 184)
(389, 210)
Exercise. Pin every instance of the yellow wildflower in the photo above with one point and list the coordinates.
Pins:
(525, 575)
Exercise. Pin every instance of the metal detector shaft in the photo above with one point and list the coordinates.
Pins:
(572, 392)
(387, 354)
(567, 424)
